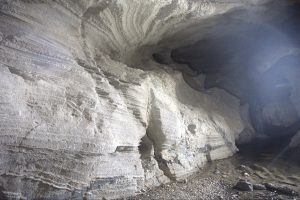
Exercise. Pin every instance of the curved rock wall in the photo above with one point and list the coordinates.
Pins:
(77, 123)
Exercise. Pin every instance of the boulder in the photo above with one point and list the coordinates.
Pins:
(244, 185)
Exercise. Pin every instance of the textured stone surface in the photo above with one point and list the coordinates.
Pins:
(280, 114)
(248, 134)
(76, 122)
(282, 189)
(295, 141)
(256, 60)
(259, 187)
(244, 185)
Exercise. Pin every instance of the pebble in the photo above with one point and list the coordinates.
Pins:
(245, 174)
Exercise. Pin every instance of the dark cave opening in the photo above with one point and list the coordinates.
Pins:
(258, 63)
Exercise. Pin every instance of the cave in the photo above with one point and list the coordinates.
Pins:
(134, 99)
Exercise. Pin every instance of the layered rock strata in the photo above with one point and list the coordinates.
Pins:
(80, 119)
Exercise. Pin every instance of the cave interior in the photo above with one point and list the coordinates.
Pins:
(252, 56)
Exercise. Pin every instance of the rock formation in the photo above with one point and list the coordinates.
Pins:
(86, 113)
(257, 61)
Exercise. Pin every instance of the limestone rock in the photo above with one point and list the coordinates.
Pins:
(76, 121)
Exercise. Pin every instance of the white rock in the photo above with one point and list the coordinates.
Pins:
(72, 114)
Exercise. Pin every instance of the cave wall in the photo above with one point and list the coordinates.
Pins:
(77, 122)
(257, 60)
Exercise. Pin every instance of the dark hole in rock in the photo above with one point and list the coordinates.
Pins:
(146, 147)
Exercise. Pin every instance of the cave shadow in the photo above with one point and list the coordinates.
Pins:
(276, 147)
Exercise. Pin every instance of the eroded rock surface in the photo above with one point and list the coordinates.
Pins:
(76, 122)
(257, 61)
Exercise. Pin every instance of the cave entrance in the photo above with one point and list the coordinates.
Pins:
(259, 64)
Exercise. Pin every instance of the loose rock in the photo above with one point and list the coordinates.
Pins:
(259, 187)
(245, 174)
(244, 168)
(282, 189)
(244, 185)
(259, 168)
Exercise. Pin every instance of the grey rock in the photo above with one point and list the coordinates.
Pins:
(284, 197)
(282, 189)
(245, 168)
(260, 168)
(244, 185)
(259, 187)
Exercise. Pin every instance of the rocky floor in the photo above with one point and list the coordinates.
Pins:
(218, 179)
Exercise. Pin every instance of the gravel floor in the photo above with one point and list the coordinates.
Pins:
(217, 179)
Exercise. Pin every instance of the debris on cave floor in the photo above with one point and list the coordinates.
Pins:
(258, 178)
